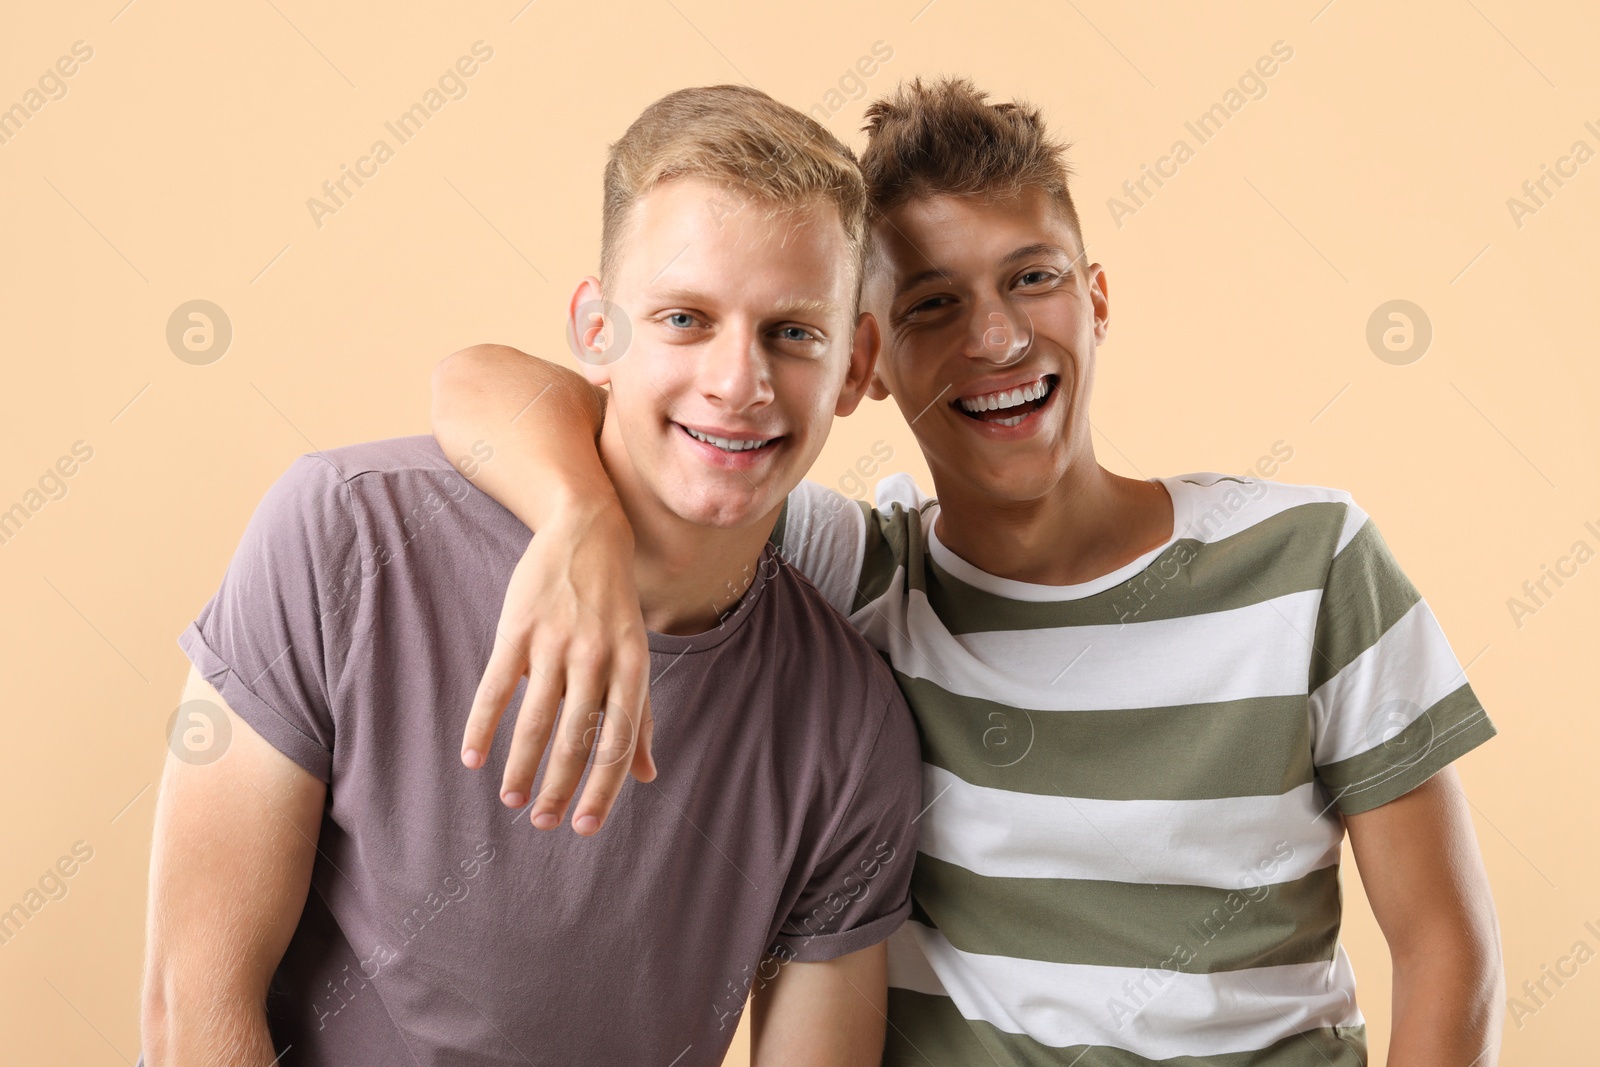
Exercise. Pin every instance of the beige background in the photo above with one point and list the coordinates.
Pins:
(1376, 167)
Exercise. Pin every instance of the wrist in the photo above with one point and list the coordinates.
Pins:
(590, 512)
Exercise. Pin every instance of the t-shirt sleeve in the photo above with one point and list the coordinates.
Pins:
(849, 549)
(822, 535)
(859, 892)
(274, 638)
(1390, 703)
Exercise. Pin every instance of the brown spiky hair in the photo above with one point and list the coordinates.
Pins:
(741, 138)
(944, 138)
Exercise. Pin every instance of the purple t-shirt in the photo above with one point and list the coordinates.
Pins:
(351, 630)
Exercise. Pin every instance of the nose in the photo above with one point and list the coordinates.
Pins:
(999, 332)
(733, 371)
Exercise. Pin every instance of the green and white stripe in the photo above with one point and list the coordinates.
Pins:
(1134, 785)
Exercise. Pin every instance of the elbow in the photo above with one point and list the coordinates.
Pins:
(1492, 965)
(455, 375)
(470, 354)
(1463, 960)
(460, 363)
(157, 1026)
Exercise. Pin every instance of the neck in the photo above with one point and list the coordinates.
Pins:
(689, 576)
(1090, 523)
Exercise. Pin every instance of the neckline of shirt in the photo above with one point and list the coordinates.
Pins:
(961, 570)
(766, 568)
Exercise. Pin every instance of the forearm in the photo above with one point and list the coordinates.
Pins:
(523, 430)
(1447, 1007)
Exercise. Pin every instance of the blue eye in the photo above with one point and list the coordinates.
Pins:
(795, 333)
(680, 319)
(1038, 275)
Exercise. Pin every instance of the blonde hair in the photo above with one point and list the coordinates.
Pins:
(945, 138)
(740, 137)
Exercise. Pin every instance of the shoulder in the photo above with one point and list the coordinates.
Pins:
(377, 498)
(1211, 507)
(394, 455)
(850, 549)
(394, 475)
(842, 707)
(900, 500)
(819, 650)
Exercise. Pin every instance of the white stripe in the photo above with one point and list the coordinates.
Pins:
(1223, 507)
(1252, 651)
(1385, 689)
(1002, 834)
(1206, 507)
(1153, 1013)
(900, 488)
(825, 537)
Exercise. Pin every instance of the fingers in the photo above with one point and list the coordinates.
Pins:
(569, 751)
(644, 759)
(617, 733)
(530, 735)
(500, 678)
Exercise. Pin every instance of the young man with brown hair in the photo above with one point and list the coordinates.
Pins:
(1150, 709)
(337, 890)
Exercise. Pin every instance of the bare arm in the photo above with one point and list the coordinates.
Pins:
(1425, 880)
(234, 844)
(828, 1014)
(539, 421)
(570, 621)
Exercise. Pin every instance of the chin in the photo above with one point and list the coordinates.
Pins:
(721, 510)
(1015, 483)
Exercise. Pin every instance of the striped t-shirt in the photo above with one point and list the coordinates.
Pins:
(1134, 785)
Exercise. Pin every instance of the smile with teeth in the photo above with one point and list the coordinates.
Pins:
(1033, 395)
(730, 444)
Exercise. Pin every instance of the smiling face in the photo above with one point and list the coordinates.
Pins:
(745, 343)
(990, 321)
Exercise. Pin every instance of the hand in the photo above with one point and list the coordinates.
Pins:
(571, 624)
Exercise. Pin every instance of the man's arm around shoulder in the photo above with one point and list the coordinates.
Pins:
(235, 840)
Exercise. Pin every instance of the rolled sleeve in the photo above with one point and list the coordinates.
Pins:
(860, 891)
(274, 638)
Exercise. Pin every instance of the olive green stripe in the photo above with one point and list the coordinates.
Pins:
(1366, 594)
(1190, 928)
(888, 540)
(1285, 553)
(928, 1031)
(1452, 727)
(1258, 746)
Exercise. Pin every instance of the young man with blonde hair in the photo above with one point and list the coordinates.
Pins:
(338, 890)
(1150, 710)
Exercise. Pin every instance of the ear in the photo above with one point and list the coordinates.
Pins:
(590, 334)
(863, 364)
(1100, 296)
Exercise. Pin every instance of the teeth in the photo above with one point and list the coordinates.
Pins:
(728, 444)
(1012, 421)
(1002, 400)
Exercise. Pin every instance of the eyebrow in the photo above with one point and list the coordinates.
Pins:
(1042, 248)
(785, 307)
(937, 274)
